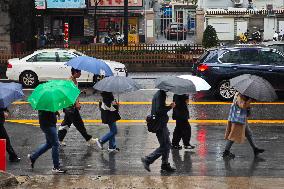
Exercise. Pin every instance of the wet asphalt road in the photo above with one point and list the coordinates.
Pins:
(135, 141)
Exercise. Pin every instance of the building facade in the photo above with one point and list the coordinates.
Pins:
(231, 18)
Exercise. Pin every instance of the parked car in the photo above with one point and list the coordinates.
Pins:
(47, 64)
(217, 66)
(175, 31)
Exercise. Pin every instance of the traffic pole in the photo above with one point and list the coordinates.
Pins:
(3, 154)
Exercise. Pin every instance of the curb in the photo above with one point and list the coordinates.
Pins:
(7, 179)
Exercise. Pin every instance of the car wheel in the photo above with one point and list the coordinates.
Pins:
(225, 91)
(28, 79)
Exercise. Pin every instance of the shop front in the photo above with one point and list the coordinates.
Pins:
(110, 18)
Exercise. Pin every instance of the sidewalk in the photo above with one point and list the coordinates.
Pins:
(153, 182)
(7, 180)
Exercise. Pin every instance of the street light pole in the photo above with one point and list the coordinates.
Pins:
(125, 25)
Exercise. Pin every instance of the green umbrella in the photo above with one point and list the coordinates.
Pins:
(54, 95)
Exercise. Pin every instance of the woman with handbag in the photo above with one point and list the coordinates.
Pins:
(237, 128)
(109, 115)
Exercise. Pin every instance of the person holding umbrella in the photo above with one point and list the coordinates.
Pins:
(48, 99)
(9, 92)
(109, 115)
(109, 106)
(13, 157)
(160, 109)
(72, 115)
(237, 128)
(249, 88)
(182, 129)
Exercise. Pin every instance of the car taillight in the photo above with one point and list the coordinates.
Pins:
(9, 66)
(202, 68)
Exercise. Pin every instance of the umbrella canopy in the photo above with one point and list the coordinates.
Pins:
(90, 64)
(200, 84)
(254, 86)
(54, 95)
(10, 92)
(175, 85)
(117, 84)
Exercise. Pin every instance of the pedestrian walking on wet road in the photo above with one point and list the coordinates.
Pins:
(109, 115)
(47, 121)
(4, 113)
(237, 128)
(72, 115)
(159, 109)
(183, 128)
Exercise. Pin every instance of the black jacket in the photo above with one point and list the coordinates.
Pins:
(180, 112)
(47, 119)
(2, 117)
(107, 115)
(159, 107)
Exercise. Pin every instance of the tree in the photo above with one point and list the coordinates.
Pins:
(210, 38)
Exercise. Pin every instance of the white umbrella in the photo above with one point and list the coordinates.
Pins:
(200, 84)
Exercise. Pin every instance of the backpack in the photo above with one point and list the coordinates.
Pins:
(153, 123)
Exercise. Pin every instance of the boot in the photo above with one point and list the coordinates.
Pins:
(258, 151)
(227, 154)
(167, 167)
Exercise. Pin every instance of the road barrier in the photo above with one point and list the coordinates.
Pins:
(3, 154)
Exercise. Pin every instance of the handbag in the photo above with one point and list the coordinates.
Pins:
(153, 123)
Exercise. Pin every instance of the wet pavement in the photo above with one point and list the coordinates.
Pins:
(200, 167)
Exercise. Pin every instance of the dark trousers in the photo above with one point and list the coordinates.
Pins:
(182, 131)
(75, 118)
(9, 148)
(163, 137)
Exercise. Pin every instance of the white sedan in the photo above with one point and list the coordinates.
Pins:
(47, 64)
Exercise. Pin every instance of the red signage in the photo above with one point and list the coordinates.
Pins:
(66, 35)
(117, 3)
(3, 154)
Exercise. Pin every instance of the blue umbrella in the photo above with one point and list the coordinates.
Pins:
(10, 92)
(90, 64)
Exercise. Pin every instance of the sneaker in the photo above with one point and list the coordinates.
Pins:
(58, 171)
(189, 147)
(113, 149)
(98, 142)
(15, 159)
(92, 142)
(167, 167)
(32, 162)
(178, 147)
(61, 143)
(258, 151)
(146, 164)
(227, 154)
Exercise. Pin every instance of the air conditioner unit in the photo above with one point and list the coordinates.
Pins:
(238, 2)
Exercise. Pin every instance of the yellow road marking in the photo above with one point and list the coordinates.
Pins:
(212, 121)
(149, 103)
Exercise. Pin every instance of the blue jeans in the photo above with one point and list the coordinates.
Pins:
(110, 136)
(51, 142)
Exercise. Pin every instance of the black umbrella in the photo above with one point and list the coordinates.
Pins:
(117, 84)
(175, 85)
(254, 86)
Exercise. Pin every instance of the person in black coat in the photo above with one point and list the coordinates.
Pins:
(160, 109)
(183, 128)
(109, 115)
(4, 113)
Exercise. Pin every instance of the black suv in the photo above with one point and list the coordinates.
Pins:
(217, 66)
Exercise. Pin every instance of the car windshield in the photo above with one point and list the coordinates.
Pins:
(175, 26)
